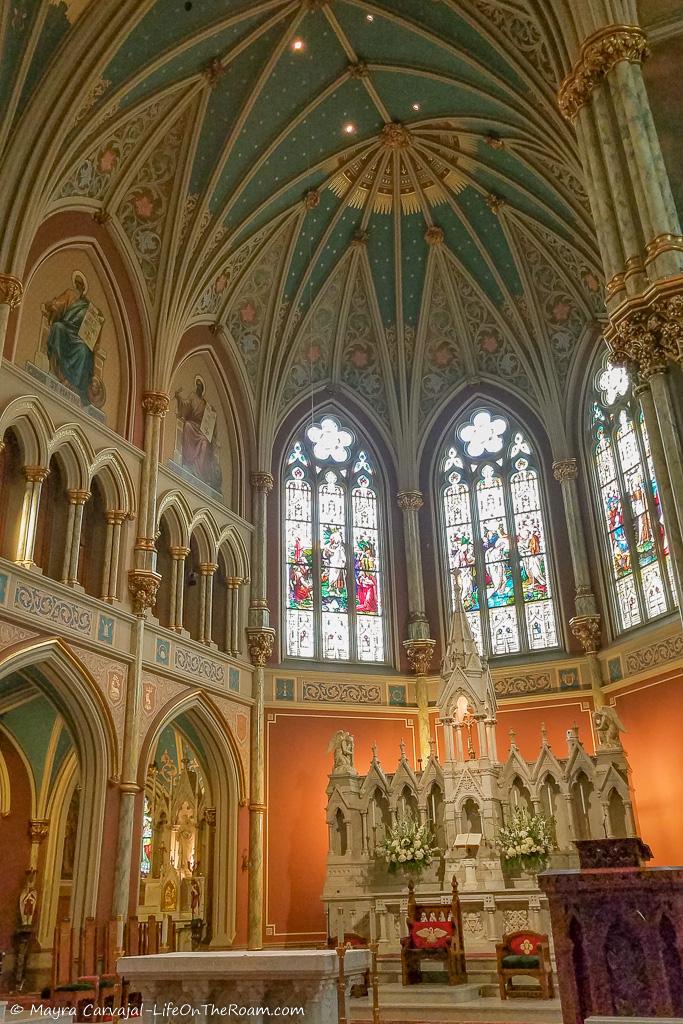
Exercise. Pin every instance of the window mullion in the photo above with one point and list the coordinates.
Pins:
(514, 561)
(628, 517)
(350, 604)
(652, 511)
(315, 526)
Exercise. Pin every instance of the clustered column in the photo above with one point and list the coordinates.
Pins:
(207, 571)
(232, 615)
(143, 584)
(116, 517)
(585, 624)
(419, 647)
(77, 499)
(29, 514)
(637, 225)
(178, 555)
(260, 640)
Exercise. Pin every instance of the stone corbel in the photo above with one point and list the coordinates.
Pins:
(143, 585)
(11, 290)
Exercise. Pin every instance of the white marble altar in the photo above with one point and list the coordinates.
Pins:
(206, 986)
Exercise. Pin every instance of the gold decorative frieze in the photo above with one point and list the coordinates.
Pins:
(660, 653)
(11, 290)
(342, 693)
(523, 683)
(599, 54)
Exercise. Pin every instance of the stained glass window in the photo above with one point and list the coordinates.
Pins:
(334, 581)
(634, 538)
(495, 535)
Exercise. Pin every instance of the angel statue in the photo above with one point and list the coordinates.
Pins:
(342, 746)
(608, 725)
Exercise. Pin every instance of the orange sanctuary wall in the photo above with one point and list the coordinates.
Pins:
(652, 712)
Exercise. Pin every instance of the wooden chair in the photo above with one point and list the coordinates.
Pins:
(525, 953)
(434, 933)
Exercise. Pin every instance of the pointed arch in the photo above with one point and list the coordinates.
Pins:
(32, 427)
(228, 787)
(54, 669)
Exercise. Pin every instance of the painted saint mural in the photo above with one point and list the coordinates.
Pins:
(199, 446)
(74, 327)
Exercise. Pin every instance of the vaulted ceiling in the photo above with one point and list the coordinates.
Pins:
(379, 195)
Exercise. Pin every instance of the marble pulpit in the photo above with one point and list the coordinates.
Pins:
(206, 986)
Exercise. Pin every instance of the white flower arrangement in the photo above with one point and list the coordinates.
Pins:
(408, 847)
(526, 842)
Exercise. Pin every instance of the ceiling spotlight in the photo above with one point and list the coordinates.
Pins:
(369, 17)
(416, 106)
(298, 45)
(349, 128)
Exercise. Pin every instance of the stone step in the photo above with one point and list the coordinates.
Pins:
(459, 1004)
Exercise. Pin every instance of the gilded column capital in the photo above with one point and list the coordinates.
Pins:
(586, 629)
(117, 516)
(599, 54)
(155, 403)
(11, 290)
(234, 582)
(77, 495)
(35, 474)
(565, 469)
(178, 551)
(207, 568)
(262, 481)
(410, 500)
(260, 640)
(646, 336)
(419, 654)
(38, 829)
(143, 585)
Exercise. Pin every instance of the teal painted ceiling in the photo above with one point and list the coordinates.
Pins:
(247, 151)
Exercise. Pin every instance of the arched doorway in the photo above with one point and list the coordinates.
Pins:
(192, 781)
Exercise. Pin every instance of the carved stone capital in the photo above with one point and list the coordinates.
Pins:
(155, 403)
(419, 654)
(646, 337)
(11, 290)
(77, 496)
(260, 640)
(207, 568)
(35, 474)
(599, 54)
(411, 500)
(565, 469)
(586, 629)
(210, 816)
(143, 585)
(262, 481)
(38, 829)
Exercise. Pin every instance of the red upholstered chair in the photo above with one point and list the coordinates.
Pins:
(434, 933)
(526, 953)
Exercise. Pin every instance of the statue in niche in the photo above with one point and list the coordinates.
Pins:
(199, 448)
(169, 896)
(185, 822)
(75, 325)
(28, 898)
(342, 746)
(608, 726)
